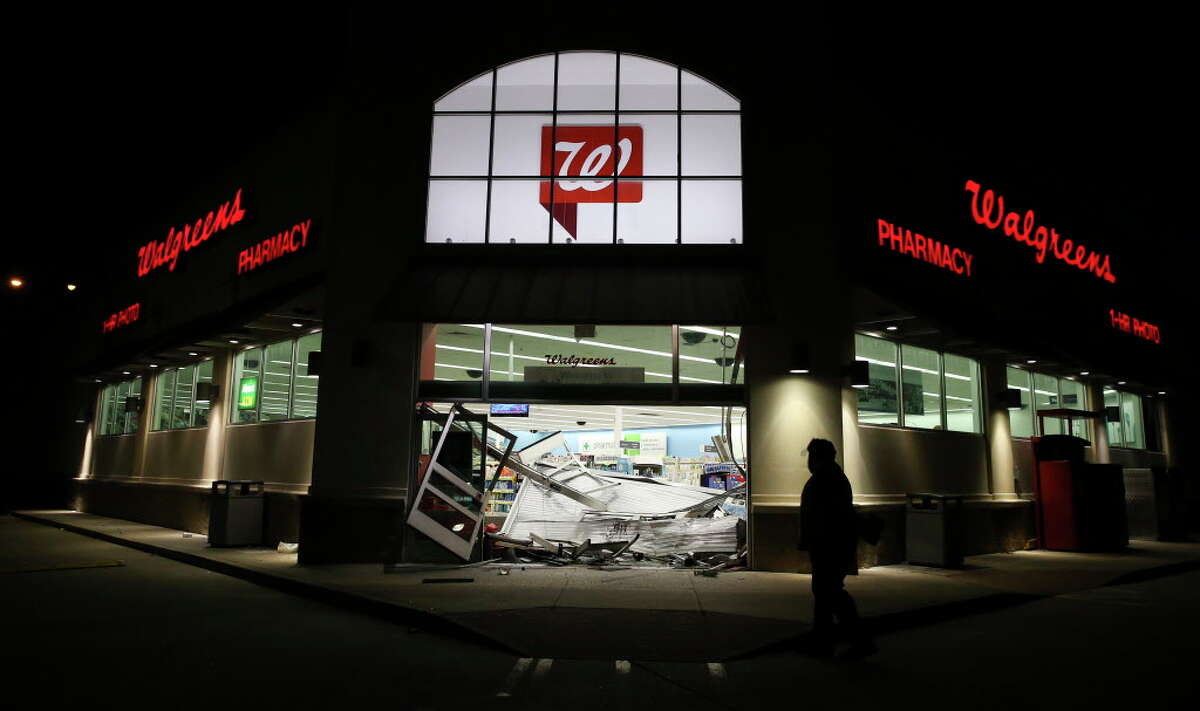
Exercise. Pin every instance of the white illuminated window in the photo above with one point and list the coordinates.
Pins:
(590, 147)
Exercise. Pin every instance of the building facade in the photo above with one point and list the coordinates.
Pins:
(611, 236)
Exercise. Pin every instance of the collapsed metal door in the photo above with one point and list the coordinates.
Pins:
(448, 506)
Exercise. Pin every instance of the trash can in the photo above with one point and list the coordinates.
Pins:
(934, 531)
(236, 514)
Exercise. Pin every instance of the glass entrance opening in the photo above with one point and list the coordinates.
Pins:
(558, 484)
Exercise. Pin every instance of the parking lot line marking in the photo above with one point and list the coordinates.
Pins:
(514, 676)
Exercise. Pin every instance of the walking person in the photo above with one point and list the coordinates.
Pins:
(829, 532)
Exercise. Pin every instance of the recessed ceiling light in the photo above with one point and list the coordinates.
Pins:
(1085, 372)
(71, 287)
(153, 365)
(193, 353)
(297, 325)
(800, 371)
(1162, 392)
(893, 328)
(1031, 361)
(124, 372)
(233, 341)
(1120, 382)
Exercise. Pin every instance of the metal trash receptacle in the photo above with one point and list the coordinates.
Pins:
(235, 516)
(934, 530)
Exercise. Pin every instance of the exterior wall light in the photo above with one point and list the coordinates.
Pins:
(1011, 397)
(16, 282)
(71, 287)
(801, 363)
(860, 374)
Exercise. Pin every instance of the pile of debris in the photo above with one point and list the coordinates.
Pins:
(610, 554)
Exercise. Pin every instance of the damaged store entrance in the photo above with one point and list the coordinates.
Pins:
(580, 484)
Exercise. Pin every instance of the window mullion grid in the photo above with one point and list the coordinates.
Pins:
(900, 384)
(942, 395)
(679, 155)
(292, 388)
(487, 208)
(616, 158)
(675, 362)
(485, 385)
(553, 155)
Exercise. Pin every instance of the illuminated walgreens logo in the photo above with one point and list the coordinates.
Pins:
(1139, 328)
(926, 249)
(988, 210)
(166, 253)
(124, 317)
(277, 245)
(575, 361)
(586, 153)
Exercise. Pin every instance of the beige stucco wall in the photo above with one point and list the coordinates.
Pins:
(888, 462)
(278, 453)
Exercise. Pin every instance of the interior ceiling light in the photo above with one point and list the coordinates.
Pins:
(1031, 361)
(1162, 392)
(153, 365)
(193, 353)
(124, 372)
(1086, 373)
(1120, 382)
(233, 341)
(893, 328)
(297, 325)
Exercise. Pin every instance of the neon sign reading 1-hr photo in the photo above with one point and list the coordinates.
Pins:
(988, 210)
(166, 253)
(124, 317)
(1141, 329)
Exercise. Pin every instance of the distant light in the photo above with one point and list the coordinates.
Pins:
(98, 380)
(16, 282)
(800, 371)
(71, 287)
(297, 325)
(233, 341)
(1162, 392)
(1031, 361)
(458, 527)
(1085, 373)
(1120, 382)
(193, 353)
(154, 365)
(125, 372)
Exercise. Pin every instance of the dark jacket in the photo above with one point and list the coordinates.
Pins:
(828, 524)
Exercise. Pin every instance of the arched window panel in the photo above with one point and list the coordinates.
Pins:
(586, 147)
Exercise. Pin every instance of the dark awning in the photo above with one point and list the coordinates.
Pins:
(578, 294)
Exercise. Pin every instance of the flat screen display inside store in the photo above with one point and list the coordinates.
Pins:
(248, 393)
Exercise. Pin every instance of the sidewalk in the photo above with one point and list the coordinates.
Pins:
(664, 615)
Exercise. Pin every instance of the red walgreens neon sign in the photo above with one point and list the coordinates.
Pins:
(156, 254)
(286, 242)
(124, 317)
(1043, 239)
(587, 154)
(925, 248)
(1141, 329)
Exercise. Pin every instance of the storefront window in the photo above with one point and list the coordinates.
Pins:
(936, 390)
(1074, 397)
(962, 393)
(1131, 421)
(878, 403)
(274, 383)
(1112, 412)
(116, 415)
(304, 401)
(639, 360)
(1046, 397)
(164, 400)
(708, 354)
(590, 147)
(921, 389)
(1020, 422)
(176, 405)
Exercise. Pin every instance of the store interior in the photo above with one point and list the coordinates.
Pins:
(665, 483)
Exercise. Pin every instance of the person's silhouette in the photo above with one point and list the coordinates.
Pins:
(829, 532)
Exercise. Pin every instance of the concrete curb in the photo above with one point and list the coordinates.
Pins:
(354, 602)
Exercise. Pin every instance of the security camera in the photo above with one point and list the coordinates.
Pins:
(533, 431)
(581, 423)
